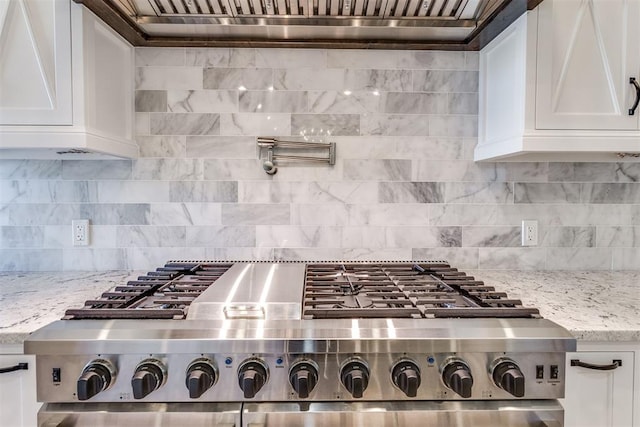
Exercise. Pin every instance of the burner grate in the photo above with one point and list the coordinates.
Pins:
(162, 294)
(383, 290)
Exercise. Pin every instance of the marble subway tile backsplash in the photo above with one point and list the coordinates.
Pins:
(404, 185)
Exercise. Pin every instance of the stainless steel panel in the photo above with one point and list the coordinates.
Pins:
(369, 414)
(278, 389)
(139, 415)
(347, 335)
(392, 414)
(267, 291)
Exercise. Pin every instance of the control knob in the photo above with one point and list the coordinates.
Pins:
(148, 377)
(406, 376)
(355, 377)
(303, 377)
(201, 376)
(508, 376)
(252, 376)
(96, 377)
(457, 376)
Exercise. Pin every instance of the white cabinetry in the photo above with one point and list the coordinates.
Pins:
(600, 398)
(66, 83)
(18, 406)
(556, 84)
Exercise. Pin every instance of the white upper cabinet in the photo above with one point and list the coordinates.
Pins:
(588, 51)
(555, 85)
(35, 53)
(66, 83)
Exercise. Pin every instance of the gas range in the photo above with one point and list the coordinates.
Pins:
(294, 340)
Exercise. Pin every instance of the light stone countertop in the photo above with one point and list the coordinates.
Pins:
(593, 305)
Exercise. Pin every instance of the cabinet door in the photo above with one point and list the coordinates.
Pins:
(595, 398)
(18, 406)
(35, 53)
(587, 51)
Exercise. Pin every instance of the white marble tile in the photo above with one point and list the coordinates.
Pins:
(432, 60)
(547, 193)
(307, 192)
(618, 236)
(354, 59)
(472, 60)
(256, 214)
(202, 101)
(151, 100)
(186, 214)
(579, 259)
(222, 147)
(370, 237)
(445, 81)
(234, 169)
(378, 80)
(308, 79)
(410, 192)
(30, 259)
(167, 169)
(96, 169)
(284, 236)
(345, 102)
(30, 169)
(415, 103)
(325, 124)
(319, 214)
(114, 213)
(162, 146)
(453, 126)
(266, 101)
(132, 191)
(366, 254)
(511, 258)
(462, 103)
(152, 56)
(21, 237)
(221, 57)
(594, 172)
(185, 123)
(388, 214)
(256, 124)
(165, 78)
(568, 237)
(626, 259)
(150, 236)
(463, 214)
(59, 236)
(611, 193)
(291, 58)
(423, 237)
(377, 170)
(478, 192)
(221, 236)
(238, 78)
(491, 236)
(41, 191)
(394, 124)
(90, 259)
(203, 191)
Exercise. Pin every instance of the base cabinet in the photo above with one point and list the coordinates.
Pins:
(600, 398)
(18, 406)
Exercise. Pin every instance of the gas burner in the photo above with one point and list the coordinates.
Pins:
(397, 290)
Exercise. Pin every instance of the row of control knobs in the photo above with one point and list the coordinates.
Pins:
(303, 376)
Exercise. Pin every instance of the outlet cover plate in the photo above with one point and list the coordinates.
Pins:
(80, 232)
(529, 233)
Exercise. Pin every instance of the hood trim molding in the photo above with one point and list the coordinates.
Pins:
(486, 31)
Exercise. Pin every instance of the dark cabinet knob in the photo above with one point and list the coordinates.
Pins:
(148, 377)
(252, 376)
(96, 377)
(201, 376)
(508, 376)
(457, 376)
(303, 377)
(355, 378)
(406, 376)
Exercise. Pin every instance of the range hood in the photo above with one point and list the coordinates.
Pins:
(388, 24)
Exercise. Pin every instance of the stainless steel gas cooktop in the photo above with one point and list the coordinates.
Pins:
(285, 337)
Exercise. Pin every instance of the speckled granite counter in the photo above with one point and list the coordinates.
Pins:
(594, 306)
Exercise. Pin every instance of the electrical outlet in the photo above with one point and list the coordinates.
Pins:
(529, 233)
(80, 232)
